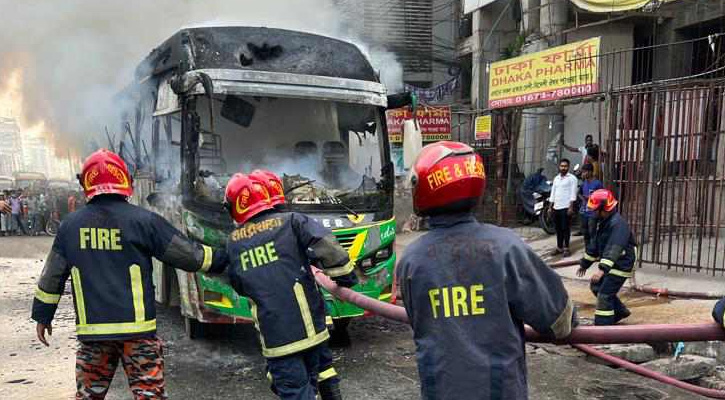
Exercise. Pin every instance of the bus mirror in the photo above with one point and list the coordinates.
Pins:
(399, 100)
(159, 199)
(238, 110)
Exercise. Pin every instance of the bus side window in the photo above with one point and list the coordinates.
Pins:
(169, 151)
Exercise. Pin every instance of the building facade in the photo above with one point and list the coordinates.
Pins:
(11, 152)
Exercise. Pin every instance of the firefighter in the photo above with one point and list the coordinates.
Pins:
(271, 252)
(106, 249)
(718, 312)
(469, 288)
(328, 383)
(614, 247)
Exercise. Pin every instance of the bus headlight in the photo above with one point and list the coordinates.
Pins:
(372, 262)
(383, 254)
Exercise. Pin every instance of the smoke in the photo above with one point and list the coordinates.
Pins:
(76, 55)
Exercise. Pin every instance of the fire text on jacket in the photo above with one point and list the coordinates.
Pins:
(457, 301)
(259, 256)
(100, 239)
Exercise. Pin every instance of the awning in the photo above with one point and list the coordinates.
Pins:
(605, 6)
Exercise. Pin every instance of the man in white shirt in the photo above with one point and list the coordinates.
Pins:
(563, 196)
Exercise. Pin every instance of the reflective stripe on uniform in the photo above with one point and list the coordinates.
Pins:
(327, 374)
(617, 272)
(604, 313)
(562, 325)
(253, 309)
(304, 309)
(208, 255)
(137, 292)
(296, 347)
(45, 297)
(119, 328)
(313, 339)
(78, 290)
(608, 263)
(589, 258)
(340, 271)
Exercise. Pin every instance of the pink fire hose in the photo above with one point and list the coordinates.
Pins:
(579, 335)
(638, 369)
(648, 289)
(583, 334)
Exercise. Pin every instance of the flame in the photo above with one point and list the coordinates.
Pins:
(11, 106)
(11, 94)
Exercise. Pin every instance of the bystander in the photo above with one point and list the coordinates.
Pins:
(563, 196)
(16, 212)
(4, 215)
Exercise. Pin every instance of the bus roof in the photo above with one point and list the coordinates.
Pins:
(257, 49)
(29, 176)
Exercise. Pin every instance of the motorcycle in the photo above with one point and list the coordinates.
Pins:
(534, 194)
(51, 227)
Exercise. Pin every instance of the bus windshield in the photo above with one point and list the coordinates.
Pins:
(328, 154)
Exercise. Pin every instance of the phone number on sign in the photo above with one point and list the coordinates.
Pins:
(543, 96)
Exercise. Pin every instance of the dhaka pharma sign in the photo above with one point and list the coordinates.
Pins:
(557, 73)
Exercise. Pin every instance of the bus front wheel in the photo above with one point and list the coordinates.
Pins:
(339, 336)
(193, 328)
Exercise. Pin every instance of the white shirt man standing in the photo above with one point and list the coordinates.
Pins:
(563, 196)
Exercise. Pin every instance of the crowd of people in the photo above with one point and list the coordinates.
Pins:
(27, 212)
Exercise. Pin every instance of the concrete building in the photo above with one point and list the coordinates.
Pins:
(420, 34)
(657, 111)
(504, 29)
(11, 154)
(36, 157)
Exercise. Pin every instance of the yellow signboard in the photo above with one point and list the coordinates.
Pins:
(607, 6)
(560, 72)
(483, 127)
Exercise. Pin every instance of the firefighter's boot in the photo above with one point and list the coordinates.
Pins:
(329, 390)
(622, 315)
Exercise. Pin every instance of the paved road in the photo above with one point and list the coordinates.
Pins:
(380, 364)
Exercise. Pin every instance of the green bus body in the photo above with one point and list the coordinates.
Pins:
(361, 242)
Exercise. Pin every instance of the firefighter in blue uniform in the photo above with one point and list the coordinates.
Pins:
(106, 248)
(328, 382)
(614, 247)
(270, 253)
(718, 312)
(469, 288)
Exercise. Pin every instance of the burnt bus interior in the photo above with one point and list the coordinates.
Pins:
(333, 155)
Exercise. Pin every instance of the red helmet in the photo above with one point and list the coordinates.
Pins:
(447, 176)
(602, 198)
(272, 183)
(104, 172)
(245, 197)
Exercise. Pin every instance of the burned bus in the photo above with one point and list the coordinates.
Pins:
(30, 182)
(7, 183)
(212, 101)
